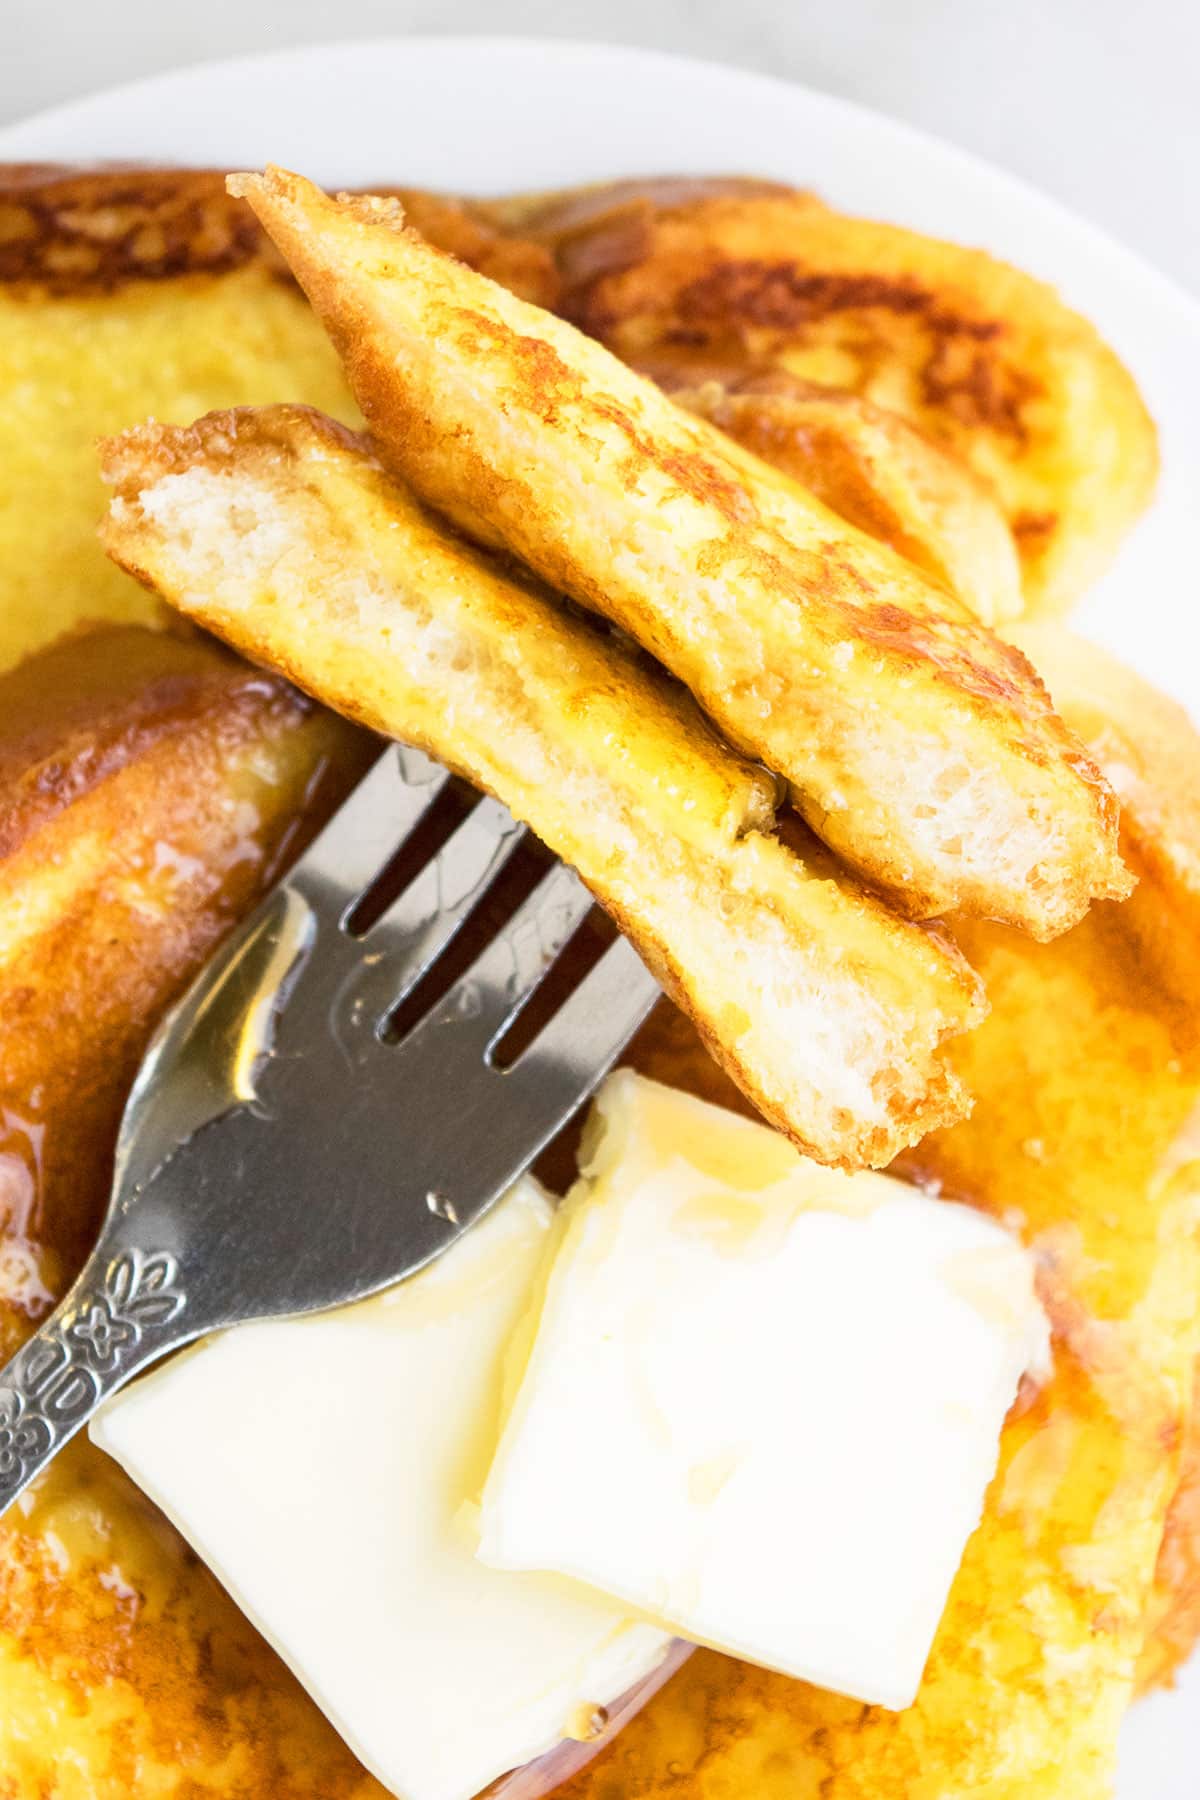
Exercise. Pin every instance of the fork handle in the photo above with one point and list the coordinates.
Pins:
(125, 1310)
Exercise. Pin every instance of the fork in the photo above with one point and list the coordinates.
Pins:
(278, 1154)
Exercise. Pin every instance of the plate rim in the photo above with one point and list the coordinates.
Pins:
(1097, 238)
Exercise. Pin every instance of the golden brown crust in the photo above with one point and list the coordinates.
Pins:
(880, 474)
(924, 750)
(91, 230)
(1149, 747)
(984, 358)
(279, 532)
(129, 293)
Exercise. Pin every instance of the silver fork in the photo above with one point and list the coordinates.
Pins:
(277, 1154)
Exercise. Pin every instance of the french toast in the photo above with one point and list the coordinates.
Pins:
(864, 462)
(1173, 1616)
(124, 1662)
(922, 749)
(467, 230)
(983, 358)
(283, 533)
(150, 785)
(1087, 1072)
(125, 1666)
(1154, 771)
(875, 470)
(124, 294)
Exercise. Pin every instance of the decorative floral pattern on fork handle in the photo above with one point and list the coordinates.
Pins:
(106, 1333)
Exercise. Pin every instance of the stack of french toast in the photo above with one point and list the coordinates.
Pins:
(724, 537)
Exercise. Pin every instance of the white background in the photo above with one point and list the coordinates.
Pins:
(1094, 100)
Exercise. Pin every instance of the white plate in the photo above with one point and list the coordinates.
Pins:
(488, 115)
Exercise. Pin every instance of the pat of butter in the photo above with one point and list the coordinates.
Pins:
(763, 1399)
(322, 1468)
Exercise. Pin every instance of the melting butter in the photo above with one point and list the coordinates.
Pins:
(325, 1469)
(761, 1400)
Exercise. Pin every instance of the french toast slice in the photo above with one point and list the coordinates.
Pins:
(469, 230)
(150, 785)
(124, 294)
(881, 474)
(128, 293)
(1147, 743)
(283, 533)
(864, 462)
(922, 749)
(985, 359)
(1087, 1073)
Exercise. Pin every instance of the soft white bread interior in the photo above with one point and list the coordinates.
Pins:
(919, 746)
(282, 533)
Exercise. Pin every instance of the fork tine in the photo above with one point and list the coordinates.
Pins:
(367, 830)
(424, 918)
(238, 1111)
(452, 883)
(509, 1115)
(492, 991)
(590, 1029)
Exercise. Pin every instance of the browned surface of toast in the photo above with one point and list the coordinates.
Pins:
(284, 534)
(879, 473)
(122, 1664)
(73, 231)
(128, 293)
(96, 228)
(922, 748)
(984, 358)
